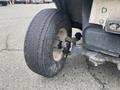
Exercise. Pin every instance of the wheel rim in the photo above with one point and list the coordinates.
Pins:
(59, 42)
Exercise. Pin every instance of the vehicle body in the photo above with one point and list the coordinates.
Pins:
(96, 17)
(100, 28)
(21, 1)
(4, 2)
(37, 1)
(32, 1)
(40, 1)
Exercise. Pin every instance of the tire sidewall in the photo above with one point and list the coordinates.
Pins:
(38, 46)
(53, 28)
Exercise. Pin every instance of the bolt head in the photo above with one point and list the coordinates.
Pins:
(114, 26)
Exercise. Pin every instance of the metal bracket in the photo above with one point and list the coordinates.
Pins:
(112, 26)
(95, 57)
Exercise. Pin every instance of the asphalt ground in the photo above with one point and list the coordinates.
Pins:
(14, 73)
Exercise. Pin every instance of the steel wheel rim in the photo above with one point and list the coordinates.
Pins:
(58, 53)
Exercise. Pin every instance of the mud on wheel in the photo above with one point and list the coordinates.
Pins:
(45, 46)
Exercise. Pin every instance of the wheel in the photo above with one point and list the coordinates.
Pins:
(45, 46)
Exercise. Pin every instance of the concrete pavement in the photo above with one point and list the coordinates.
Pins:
(14, 73)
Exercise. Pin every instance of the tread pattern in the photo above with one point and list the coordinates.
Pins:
(39, 40)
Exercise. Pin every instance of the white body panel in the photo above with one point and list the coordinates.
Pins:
(103, 10)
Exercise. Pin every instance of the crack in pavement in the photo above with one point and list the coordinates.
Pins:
(95, 77)
(10, 50)
(98, 80)
(6, 41)
(7, 46)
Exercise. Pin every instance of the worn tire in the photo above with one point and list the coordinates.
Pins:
(39, 40)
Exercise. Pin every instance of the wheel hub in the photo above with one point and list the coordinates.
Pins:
(60, 45)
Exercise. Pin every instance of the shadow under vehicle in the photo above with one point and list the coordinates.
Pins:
(49, 38)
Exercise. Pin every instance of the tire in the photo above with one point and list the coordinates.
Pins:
(39, 42)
